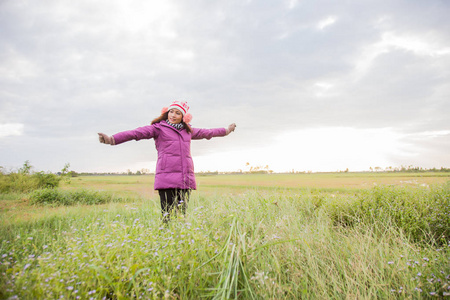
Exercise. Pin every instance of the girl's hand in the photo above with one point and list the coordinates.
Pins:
(105, 139)
(231, 128)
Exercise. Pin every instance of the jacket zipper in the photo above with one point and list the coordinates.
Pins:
(181, 154)
(180, 138)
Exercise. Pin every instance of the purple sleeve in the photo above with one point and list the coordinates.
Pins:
(198, 134)
(145, 132)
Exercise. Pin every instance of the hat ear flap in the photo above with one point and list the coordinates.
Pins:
(187, 118)
(164, 110)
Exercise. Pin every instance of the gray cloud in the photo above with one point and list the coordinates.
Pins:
(71, 69)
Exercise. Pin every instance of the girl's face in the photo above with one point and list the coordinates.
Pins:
(175, 116)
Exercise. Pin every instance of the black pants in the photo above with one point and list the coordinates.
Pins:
(173, 199)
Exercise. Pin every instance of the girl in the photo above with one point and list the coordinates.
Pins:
(174, 178)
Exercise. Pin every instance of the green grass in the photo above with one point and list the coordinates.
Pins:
(54, 197)
(259, 242)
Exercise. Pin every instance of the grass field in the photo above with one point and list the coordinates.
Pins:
(142, 185)
(278, 236)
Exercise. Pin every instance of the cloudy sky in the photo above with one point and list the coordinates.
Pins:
(312, 85)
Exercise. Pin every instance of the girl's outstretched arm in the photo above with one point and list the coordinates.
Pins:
(198, 133)
(145, 132)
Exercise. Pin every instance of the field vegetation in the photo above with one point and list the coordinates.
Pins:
(254, 236)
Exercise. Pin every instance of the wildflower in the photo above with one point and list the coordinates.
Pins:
(70, 288)
(419, 274)
(178, 267)
(390, 262)
(433, 293)
(30, 238)
(426, 259)
(259, 276)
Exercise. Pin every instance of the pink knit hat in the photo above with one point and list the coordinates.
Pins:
(181, 106)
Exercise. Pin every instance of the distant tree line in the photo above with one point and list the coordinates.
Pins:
(248, 169)
(410, 168)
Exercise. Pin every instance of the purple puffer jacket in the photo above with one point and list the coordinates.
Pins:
(174, 168)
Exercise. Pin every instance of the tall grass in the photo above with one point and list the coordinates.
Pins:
(256, 245)
(421, 213)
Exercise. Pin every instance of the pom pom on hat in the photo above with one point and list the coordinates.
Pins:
(187, 118)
